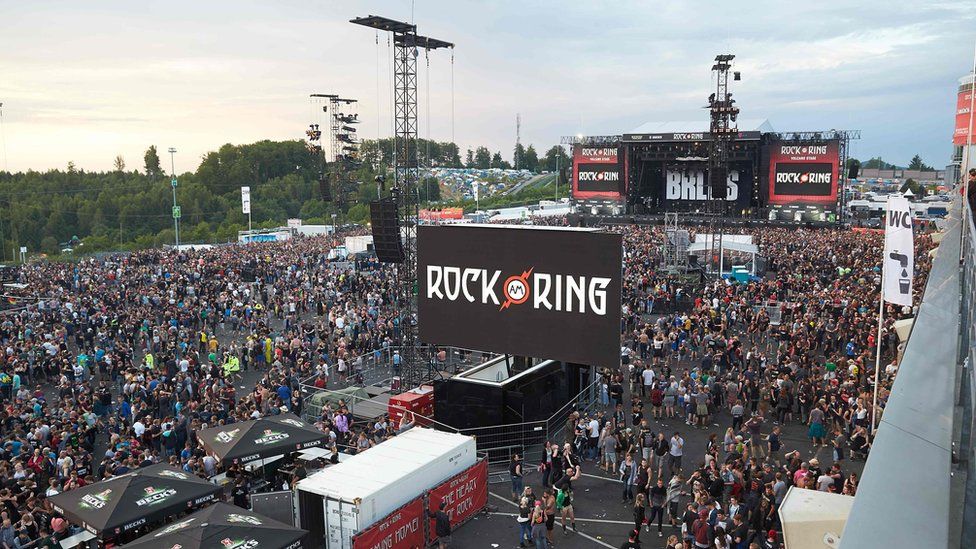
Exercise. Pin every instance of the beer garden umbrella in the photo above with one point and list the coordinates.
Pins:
(222, 526)
(265, 437)
(128, 501)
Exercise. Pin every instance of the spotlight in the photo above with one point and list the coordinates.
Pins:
(736, 76)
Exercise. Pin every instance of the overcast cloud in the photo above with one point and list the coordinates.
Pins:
(86, 81)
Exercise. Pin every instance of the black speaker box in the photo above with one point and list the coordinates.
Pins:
(386, 231)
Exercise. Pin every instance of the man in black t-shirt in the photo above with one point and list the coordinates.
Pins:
(239, 493)
(565, 487)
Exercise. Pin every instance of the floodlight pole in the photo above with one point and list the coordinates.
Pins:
(176, 213)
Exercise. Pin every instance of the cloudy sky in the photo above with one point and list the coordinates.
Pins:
(86, 81)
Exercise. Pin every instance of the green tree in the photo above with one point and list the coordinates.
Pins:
(531, 160)
(917, 164)
(469, 159)
(877, 163)
(49, 245)
(556, 157)
(518, 156)
(429, 190)
(482, 158)
(911, 185)
(151, 159)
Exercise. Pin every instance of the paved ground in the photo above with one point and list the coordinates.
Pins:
(603, 520)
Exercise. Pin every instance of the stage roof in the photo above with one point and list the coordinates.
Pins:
(701, 125)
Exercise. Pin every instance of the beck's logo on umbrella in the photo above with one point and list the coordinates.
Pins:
(96, 501)
(155, 495)
(173, 474)
(226, 436)
(243, 519)
(270, 437)
(175, 526)
(239, 543)
(293, 422)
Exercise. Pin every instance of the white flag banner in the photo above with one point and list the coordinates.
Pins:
(899, 252)
(246, 199)
(474, 188)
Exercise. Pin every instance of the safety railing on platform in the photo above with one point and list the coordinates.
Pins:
(528, 439)
(377, 366)
(965, 453)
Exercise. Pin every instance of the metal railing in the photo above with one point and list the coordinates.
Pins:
(528, 439)
(377, 367)
(923, 449)
(965, 453)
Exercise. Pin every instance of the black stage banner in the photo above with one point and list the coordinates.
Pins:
(541, 292)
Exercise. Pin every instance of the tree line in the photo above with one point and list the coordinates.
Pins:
(131, 209)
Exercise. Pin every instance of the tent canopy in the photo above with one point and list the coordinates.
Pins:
(223, 526)
(252, 440)
(131, 500)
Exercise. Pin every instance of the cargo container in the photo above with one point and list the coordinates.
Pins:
(420, 401)
(344, 499)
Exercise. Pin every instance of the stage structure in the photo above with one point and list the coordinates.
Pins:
(345, 147)
(414, 368)
(313, 143)
(676, 241)
(678, 166)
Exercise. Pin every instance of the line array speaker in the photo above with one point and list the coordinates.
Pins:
(386, 231)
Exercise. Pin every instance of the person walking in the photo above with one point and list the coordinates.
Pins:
(639, 512)
(515, 472)
(628, 475)
(675, 452)
(658, 495)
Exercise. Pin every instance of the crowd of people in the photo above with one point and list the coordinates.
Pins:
(114, 363)
(773, 371)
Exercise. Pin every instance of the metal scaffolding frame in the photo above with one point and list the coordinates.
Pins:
(723, 114)
(415, 368)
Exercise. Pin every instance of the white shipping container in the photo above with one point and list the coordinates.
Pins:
(364, 489)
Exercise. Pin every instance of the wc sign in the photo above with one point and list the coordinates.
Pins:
(541, 292)
(898, 262)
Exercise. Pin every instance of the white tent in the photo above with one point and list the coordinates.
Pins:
(813, 519)
(734, 243)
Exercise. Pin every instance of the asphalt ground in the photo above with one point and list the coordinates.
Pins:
(602, 518)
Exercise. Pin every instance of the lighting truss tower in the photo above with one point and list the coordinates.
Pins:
(345, 146)
(415, 369)
(314, 145)
(723, 131)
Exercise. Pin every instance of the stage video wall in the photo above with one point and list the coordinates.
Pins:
(803, 174)
(598, 171)
(682, 186)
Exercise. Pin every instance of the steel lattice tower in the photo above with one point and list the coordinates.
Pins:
(416, 368)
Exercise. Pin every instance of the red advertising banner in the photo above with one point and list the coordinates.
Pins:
(804, 173)
(443, 213)
(963, 103)
(401, 529)
(465, 494)
(598, 171)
